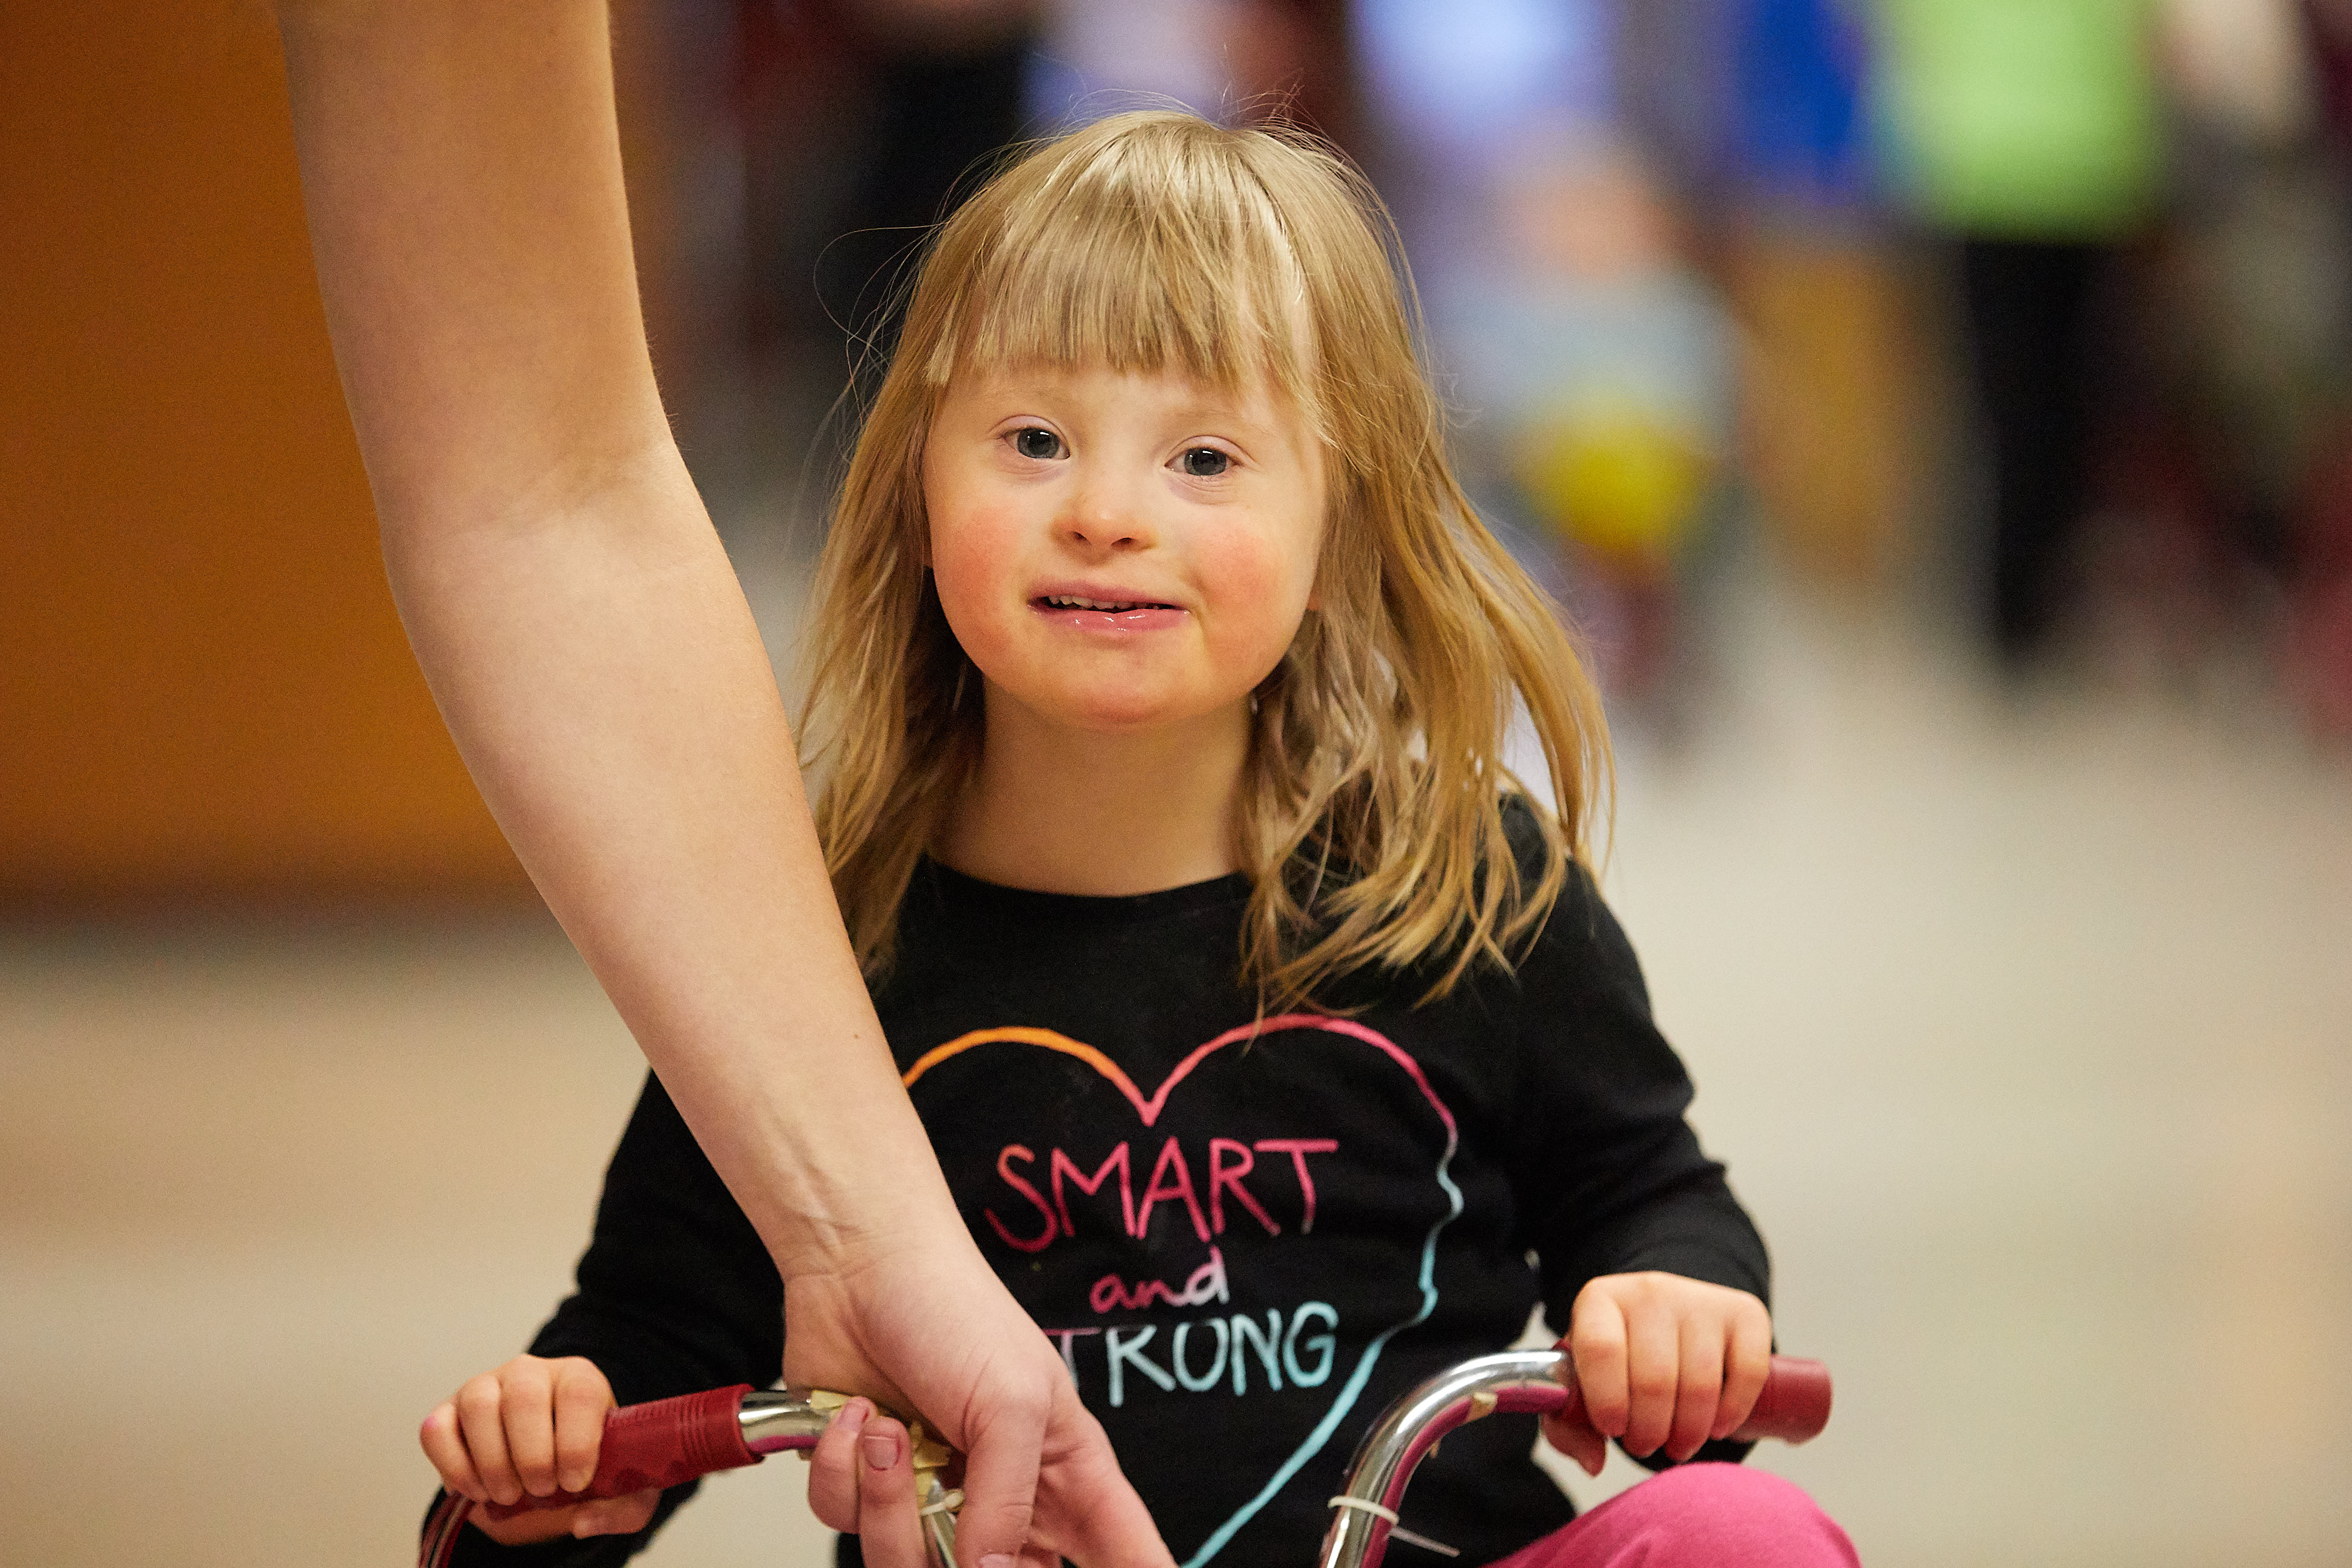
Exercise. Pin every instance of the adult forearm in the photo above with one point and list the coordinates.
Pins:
(611, 695)
(567, 597)
(461, 170)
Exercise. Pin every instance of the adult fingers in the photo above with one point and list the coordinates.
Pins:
(1597, 1344)
(615, 1516)
(1698, 1384)
(889, 1532)
(482, 1425)
(581, 1399)
(1748, 1363)
(1086, 1508)
(832, 1468)
(1653, 1368)
(1000, 1481)
(446, 1448)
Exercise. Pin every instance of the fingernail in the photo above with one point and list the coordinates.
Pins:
(852, 1416)
(997, 1560)
(881, 1449)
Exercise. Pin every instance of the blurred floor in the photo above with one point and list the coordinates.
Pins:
(2026, 1028)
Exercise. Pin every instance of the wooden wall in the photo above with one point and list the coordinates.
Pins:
(203, 688)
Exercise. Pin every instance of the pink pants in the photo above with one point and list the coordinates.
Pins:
(1697, 1516)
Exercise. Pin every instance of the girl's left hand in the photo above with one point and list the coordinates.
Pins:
(1663, 1362)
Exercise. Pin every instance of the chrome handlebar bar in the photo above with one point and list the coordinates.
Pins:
(1793, 1406)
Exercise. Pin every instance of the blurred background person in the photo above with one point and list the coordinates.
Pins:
(2318, 537)
(1593, 369)
(2028, 131)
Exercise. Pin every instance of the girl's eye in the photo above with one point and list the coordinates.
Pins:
(1038, 443)
(1204, 462)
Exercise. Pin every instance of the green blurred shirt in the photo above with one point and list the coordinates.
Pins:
(2031, 118)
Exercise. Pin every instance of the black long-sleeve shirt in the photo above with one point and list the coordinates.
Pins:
(1246, 1244)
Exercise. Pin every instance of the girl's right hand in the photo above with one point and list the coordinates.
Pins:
(533, 1425)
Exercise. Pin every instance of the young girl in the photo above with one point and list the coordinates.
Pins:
(1275, 1043)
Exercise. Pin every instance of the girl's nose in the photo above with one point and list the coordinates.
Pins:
(1105, 534)
(1102, 519)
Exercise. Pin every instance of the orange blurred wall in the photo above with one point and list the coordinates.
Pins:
(203, 688)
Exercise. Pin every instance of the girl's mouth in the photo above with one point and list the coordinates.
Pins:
(1072, 601)
(1080, 613)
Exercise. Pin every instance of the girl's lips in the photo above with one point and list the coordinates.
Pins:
(1142, 618)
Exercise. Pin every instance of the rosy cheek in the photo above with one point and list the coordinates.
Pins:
(973, 553)
(1261, 583)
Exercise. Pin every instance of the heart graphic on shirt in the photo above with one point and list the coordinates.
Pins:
(1148, 1110)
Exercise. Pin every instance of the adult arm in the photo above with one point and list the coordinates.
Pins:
(593, 653)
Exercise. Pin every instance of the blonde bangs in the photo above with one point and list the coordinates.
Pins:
(1371, 818)
(1143, 254)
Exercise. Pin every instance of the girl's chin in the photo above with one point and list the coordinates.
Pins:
(1128, 715)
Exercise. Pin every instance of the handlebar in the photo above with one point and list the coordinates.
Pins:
(667, 1442)
(1793, 1406)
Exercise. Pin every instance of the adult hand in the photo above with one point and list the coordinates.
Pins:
(928, 1329)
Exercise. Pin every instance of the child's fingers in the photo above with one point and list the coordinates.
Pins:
(581, 1399)
(889, 1532)
(528, 1413)
(834, 1464)
(446, 1448)
(1653, 1354)
(1579, 1441)
(482, 1425)
(1698, 1386)
(1596, 1340)
(615, 1516)
(1746, 1364)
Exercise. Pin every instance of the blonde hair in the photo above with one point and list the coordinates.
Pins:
(1371, 819)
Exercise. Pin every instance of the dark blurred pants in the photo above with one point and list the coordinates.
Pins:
(940, 118)
(2029, 308)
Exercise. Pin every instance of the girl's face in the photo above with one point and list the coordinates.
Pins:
(1121, 551)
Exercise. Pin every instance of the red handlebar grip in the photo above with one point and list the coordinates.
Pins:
(1794, 1406)
(659, 1444)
